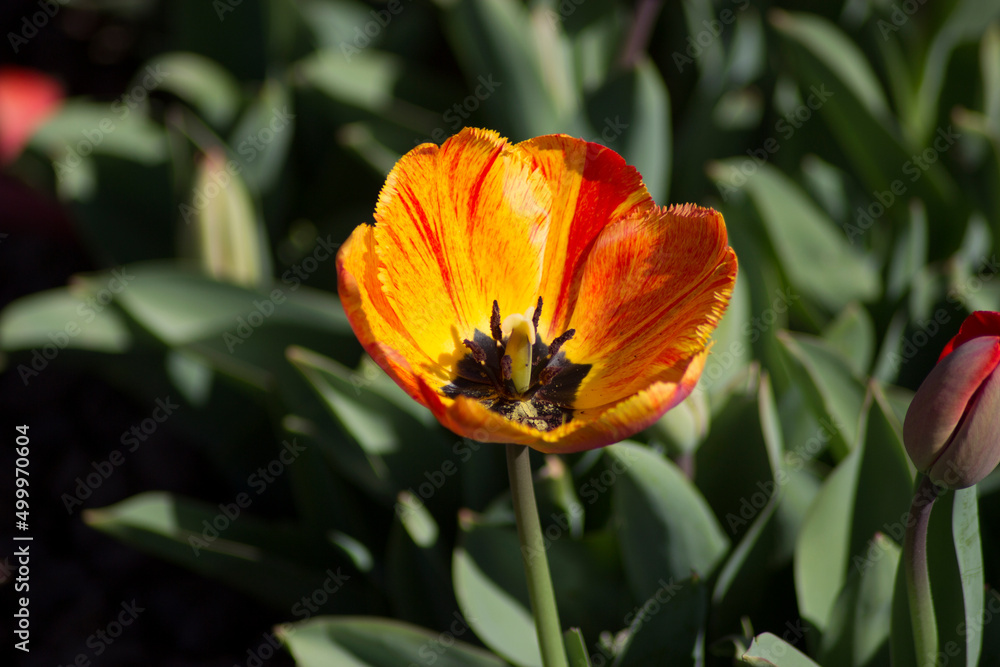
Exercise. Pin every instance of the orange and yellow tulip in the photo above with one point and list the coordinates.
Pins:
(533, 293)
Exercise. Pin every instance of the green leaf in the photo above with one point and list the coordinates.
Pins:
(275, 563)
(731, 349)
(491, 591)
(263, 136)
(852, 334)
(402, 443)
(858, 633)
(81, 128)
(739, 490)
(816, 256)
(768, 650)
(417, 568)
(742, 580)
(824, 58)
(668, 627)
(354, 641)
(665, 527)
(365, 80)
(831, 391)
(838, 52)
(201, 82)
(576, 648)
(159, 298)
(493, 38)
(965, 22)
(866, 494)
(61, 319)
(631, 114)
(909, 253)
(955, 562)
(490, 586)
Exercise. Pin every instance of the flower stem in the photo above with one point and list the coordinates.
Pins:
(918, 581)
(536, 563)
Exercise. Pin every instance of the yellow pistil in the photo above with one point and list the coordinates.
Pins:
(519, 331)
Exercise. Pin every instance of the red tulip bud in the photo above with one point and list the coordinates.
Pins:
(952, 427)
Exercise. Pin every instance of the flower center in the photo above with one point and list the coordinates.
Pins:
(513, 372)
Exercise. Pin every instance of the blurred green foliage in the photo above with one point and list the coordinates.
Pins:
(854, 149)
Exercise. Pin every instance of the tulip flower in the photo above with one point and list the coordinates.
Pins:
(27, 99)
(952, 427)
(533, 293)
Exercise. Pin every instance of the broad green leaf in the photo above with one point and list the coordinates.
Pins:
(668, 627)
(263, 136)
(275, 563)
(743, 577)
(731, 351)
(858, 633)
(866, 494)
(58, 319)
(417, 568)
(854, 111)
(357, 641)
(837, 51)
(965, 22)
(816, 257)
(832, 392)
(665, 527)
(486, 594)
(119, 128)
(852, 334)
(365, 80)
(201, 82)
(332, 23)
(909, 253)
(160, 299)
(768, 650)
(576, 648)
(492, 39)
(740, 489)
(955, 563)
(370, 420)
(630, 113)
(490, 585)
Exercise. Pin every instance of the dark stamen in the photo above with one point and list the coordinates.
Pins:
(495, 323)
(506, 363)
(558, 343)
(477, 352)
(548, 374)
(538, 313)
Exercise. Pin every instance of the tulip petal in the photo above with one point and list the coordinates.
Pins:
(974, 451)
(649, 294)
(27, 99)
(374, 320)
(592, 186)
(941, 401)
(455, 228)
(979, 323)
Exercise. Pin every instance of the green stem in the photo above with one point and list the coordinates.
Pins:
(536, 563)
(918, 581)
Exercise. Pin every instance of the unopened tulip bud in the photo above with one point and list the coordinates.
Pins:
(952, 427)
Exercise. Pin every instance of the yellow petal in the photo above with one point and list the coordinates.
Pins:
(455, 228)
